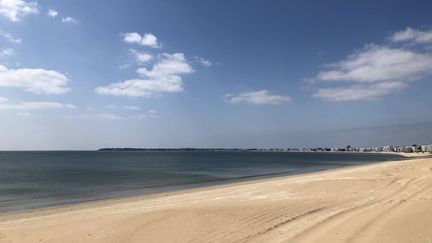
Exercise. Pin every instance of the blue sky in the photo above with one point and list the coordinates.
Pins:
(90, 74)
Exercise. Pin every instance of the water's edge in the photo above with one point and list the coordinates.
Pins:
(47, 202)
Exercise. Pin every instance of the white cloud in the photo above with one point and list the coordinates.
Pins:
(373, 72)
(131, 107)
(6, 104)
(164, 76)
(34, 80)
(141, 57)
(69, 20)
(379, 63)
(261, 97)
(148, 39)
(203, 61)
(7, 36)
(127, 107)
(132, 38)
(412, 36)
(15, 9)
(52, 13)
(168, 65)
(141, 87)
(103, 116)
(112, 116)
(7, 52)
(360, 92)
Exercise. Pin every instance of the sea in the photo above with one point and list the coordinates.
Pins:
(30, 179)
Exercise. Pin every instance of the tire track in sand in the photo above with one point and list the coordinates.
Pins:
(334, 220)
(375, 222)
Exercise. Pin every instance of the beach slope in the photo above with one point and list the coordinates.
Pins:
(383, 202)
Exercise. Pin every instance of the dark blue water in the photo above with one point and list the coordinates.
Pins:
(39, 179)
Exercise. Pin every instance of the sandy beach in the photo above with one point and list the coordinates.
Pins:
(383, 202)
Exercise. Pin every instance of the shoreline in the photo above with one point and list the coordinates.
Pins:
(168, 190)
(411, 155)
(300, 207)
(202, 186)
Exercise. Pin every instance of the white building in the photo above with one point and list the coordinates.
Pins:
(388, 149)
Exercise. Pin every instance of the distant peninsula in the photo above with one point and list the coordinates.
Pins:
(175, 149)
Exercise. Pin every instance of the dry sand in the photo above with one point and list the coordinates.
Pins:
(385, 202)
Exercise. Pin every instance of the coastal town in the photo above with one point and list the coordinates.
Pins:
(387, 149)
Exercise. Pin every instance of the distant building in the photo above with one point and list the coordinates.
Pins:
(408, 149)
(388, 149)
(426, 148)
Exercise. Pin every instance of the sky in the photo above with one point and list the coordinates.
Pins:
(247, 74)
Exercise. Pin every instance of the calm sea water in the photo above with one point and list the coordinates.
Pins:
(38, 179)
